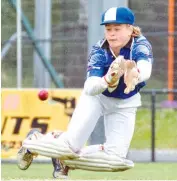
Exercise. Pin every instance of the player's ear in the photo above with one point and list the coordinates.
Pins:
(130, 28)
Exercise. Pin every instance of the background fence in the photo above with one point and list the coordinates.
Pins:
(162, 115)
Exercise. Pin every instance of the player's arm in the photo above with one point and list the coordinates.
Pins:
(97, 81)
(144, 59)
(144, 68)
(141, 70)
(95, 84)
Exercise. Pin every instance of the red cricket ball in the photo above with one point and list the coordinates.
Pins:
(43, 95)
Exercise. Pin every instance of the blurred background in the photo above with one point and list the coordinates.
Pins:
(66, 30)
(45, 44)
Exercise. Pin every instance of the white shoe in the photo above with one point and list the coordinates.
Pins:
(25, 157)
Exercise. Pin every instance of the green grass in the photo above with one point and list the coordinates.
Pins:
(146, 171)
(166, 124)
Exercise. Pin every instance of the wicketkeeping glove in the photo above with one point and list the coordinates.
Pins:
(131, 76)
(116, 70)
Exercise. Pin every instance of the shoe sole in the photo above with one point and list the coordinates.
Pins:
(19, 152)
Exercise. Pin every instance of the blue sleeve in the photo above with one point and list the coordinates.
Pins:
(142, 51)
(96, 63)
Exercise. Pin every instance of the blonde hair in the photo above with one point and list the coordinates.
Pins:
(136, 31)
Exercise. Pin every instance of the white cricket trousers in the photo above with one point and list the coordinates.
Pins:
(119, 121)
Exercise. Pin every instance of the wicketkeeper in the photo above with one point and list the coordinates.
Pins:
(118, 67)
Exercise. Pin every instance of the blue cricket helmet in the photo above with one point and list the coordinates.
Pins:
(115, 15)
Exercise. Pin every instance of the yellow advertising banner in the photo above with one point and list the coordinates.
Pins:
(22, 111)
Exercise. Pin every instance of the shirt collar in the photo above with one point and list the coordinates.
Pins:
(104, 44)
(112, 52)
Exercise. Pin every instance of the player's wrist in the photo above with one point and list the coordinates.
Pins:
(106, 79)
(114, 84)
(111, 84)
(110, 78)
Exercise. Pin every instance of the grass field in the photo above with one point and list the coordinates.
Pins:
(166, 124)
(142, 171)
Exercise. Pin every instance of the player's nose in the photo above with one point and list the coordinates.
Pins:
(112, 33)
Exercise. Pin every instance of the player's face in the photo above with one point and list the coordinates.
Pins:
(118, 35)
